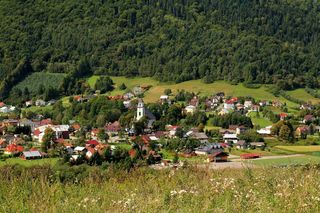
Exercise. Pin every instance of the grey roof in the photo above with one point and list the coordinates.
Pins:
(209, 147)
(32, 154)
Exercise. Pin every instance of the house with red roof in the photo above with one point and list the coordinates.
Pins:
(114, 127)
(92, 143)
(13, 149)
(308, 118)
(283, 116)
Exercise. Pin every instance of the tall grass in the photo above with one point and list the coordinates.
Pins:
(145, 190)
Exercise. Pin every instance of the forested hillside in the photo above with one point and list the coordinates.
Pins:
(236, 40)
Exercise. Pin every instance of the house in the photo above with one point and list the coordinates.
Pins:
(208, 149)
(264, 103)
(61, 131)
(302, 131)
(242, 144)
(188, 153)
(308, 119)
(237, 129)
(92, 143)
(29, 103)
(255, 108)
(137, 90)
(10, 122)
(2, 104)
(128, 96)
(190, 109)
(230, 138)
(90, 152)
(94, 133)
(164, 99)
(7, 109)
(40, 102)
(224, 112)
(79, 150)
(283, 116)
(51, 102)
(13, 149)
(194, 101)
(228, 105)
(114, 127)
(201, 136)
(260, 145)
(277, 104)
(172, 130)
(219, 156)
(247, 104)
(127, 103)
(30, 155)
(265, 131)
(306, 106)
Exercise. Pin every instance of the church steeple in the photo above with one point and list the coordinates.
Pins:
(140, 110)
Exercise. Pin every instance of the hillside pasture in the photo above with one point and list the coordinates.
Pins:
(301, 94)
(300, 160)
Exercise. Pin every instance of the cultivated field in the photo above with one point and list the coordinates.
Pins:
(300, 149)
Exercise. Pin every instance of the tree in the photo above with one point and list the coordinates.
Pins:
(175, 158)
(285, 132)
(47, 139)
(122, 86)
(102, 135)
(167, 91)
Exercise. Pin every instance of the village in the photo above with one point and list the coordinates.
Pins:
(178, 128)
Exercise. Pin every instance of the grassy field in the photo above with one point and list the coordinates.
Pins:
(301, 160)
(259, 120)
(301, 94)
(28, 163)
(146, 190)
(300, 149)
(196, 86)
(33, 81)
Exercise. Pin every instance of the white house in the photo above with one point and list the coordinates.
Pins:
(61, 131)
(190, 109)
(233, 138)
(40, 102)
(247, 104)
(228, 105)
(7, 109)
(265, 131)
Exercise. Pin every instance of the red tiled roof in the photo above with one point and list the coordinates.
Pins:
(92, 142)
(282, 114)
(2, 104)
(14, 148)
(45, 121)
(36, 132)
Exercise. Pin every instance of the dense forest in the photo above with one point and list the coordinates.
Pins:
(252, 41)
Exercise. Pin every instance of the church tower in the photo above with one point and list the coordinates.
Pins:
(141, 112)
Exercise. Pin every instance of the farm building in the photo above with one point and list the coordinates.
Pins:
(30, 155)
(218, 157)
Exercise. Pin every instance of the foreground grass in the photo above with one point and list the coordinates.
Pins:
(29, 163)
(146, 190)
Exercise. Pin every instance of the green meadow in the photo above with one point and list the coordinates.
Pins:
(197, 86)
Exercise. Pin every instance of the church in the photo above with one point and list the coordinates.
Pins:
(144, 112)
